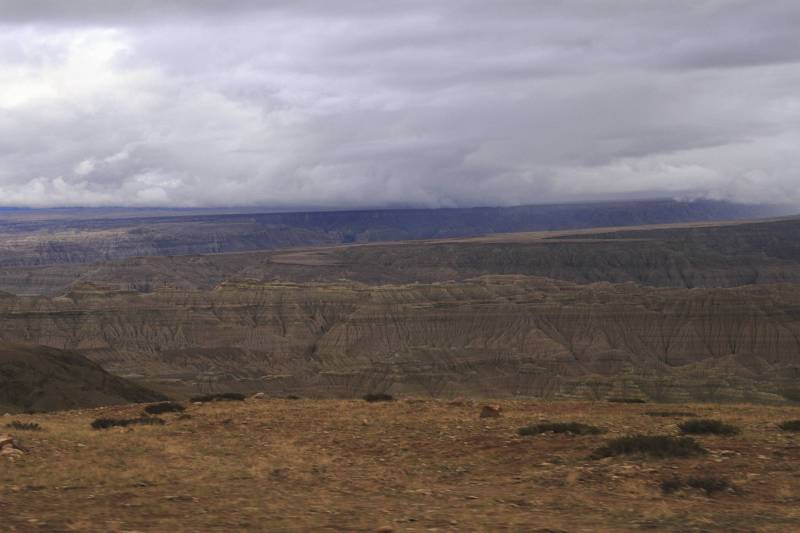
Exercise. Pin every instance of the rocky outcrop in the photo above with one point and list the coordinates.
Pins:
(10, 448)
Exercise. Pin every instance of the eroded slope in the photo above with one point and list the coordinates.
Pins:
(482, 332)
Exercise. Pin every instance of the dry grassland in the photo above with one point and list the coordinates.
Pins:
(408, 465)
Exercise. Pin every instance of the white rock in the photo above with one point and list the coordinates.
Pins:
(10, 450)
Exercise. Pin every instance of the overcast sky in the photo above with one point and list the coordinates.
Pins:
(370, 103)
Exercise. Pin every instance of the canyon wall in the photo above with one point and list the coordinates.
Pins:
(489, 324)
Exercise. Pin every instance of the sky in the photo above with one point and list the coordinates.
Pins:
(364, 103)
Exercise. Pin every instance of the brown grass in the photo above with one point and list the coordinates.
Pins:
(304, 465)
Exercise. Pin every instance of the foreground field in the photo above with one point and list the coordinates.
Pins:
(408, 465)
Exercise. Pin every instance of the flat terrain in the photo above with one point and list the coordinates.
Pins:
(408, 465)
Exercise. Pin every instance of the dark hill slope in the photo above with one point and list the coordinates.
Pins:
(39, 378)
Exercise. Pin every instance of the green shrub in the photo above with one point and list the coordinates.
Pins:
(575, 428)
(24, 426)
(670, 414)
(220, 397)
(668, 486)
(379, 397)
(790, 425)
(659, 447)
(164, 407)
(791, 394)
(705, 426)
(105, 423)
(709, 484)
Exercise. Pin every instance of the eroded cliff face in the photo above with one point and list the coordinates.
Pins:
(504, 324)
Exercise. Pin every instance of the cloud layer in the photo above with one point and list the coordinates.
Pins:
(361, 103)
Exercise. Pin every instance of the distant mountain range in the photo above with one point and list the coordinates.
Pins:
(53, 237)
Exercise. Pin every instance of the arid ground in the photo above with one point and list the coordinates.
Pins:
(406, 465)
(553, 327)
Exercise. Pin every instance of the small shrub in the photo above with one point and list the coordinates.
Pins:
(164, 407)
(293, 397)
(626, 400)
(24, 426)
(575, 428)
(790, 425)
(791, 394)
(668, 486)
(379, 397)
(659, 447)
(105, 423)
(220, 397)
(670, 414)
(709, 484)
(707, 426)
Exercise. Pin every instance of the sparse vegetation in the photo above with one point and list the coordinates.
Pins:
(105, 423)
(709, 484)
(220, 397)
(658, 447)
(376, 379)
(790, 425)
(791, 393)
(378, 397)
(24, 426)
(668, 486)
(706, 426)
(164, 407)
(307, 453)
(670, 414)
(575, 428)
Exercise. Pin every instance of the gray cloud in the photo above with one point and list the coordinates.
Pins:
(357, 103)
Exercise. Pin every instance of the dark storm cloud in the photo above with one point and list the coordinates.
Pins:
(357, 103)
